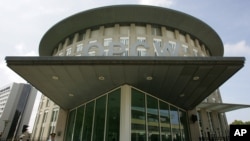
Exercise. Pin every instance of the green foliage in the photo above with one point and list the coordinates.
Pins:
(240, 122)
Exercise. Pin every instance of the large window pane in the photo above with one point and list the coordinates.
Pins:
(70, 127)
(165, 122)
(78, 123)
(138, 117)
(153, 119)
(99, 122)
(113, 116)
(175, 124)
(184, 126)
(88, 120)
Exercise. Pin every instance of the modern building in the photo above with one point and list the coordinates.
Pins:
(132, 72)
(46, 119)
(16, 105)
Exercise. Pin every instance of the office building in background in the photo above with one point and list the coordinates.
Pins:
(16, 105)
(46, 120)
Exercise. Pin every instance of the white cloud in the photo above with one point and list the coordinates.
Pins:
(163, 3)
(240, 48)
(8, 76)
(24, 50)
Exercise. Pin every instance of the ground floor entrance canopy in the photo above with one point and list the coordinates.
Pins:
(221, 107)
(71, 81)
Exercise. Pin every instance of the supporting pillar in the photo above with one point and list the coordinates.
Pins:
(125, 114)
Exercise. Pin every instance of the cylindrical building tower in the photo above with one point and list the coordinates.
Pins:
(131, 31)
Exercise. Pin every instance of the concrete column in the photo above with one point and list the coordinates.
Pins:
(61, 124)
(125, 114)
(194, 126)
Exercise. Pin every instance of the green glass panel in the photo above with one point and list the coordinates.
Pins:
(99, 122)
(175, 123)
(165, 122)
(153, 119)
(184, 126)
(88, 120)
(113, 116)
(138, 117)
(70, 126)
(78, 123)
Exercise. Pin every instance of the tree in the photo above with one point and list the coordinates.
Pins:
(247, 122)
(240, 122)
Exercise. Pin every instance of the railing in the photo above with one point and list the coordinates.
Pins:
(215, 138)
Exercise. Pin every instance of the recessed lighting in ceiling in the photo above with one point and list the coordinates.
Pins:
(101, 78)
(182, 95)
(70, 94)
(196, 78)
(55, 77)
(149, 78)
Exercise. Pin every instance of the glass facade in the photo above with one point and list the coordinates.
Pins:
(151, 119)
(96, 120)
(156, 120)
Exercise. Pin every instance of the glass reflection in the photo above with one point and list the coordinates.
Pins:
(175, 124)
(165, 122)
(138, 116)
(88, 119)
(70, 128)
(153, 119)
(99, 122)
(183, 125)
(113, 116)
(78, 123)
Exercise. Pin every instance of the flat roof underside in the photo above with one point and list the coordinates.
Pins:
(173, 78)
(131, 14)
(222, 107)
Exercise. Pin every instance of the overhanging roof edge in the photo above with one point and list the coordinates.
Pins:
(15, 60)
(223, 107)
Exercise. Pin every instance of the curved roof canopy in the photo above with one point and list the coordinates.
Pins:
(131, 14)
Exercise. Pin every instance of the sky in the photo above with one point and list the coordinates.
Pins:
(24, 22)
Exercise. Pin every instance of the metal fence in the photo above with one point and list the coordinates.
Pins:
(215, 138)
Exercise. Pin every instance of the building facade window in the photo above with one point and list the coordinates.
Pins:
(124, 40)
(195, 51)
(68, 51)
(185, 49)
(47, 103)
(165, 121)
(53, 120)
(97, 120)
(138, 116)
(141, 39)
(156, 31)
(107, 41)
(41, 134)
(79, 47)
(153, 119)
(141, 51)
